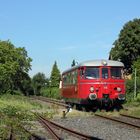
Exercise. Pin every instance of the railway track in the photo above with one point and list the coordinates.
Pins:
(124, 119)
(50, 125)
(53, 101)
(133, 117)
(32, 135)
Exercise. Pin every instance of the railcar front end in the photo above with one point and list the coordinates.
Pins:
(104, 86)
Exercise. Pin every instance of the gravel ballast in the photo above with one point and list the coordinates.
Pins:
(100, 128)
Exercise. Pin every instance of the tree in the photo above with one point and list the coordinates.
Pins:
(25, 85)
(39, 80)
(73, 63)
(14, 63)
(136, 65)
(127, 46)
(55, 76)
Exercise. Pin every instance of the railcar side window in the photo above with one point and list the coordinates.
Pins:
(105, 73)
(91, 73)
(74, 77)
(82, 73)
(116, 73)
(64, 79)
(70, 78)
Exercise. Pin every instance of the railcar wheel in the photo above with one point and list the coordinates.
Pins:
(76, 107)
(83, 109)
(87, 108)
(94, 109)
(79, 107)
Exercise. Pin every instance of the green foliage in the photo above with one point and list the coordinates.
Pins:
(24, 85)
(38, 81)
(12, 121)
(130, 83)
(51, 92)
(136, 65)
(130, 89)
(127, 46)
(14, 64)
(55, 76)
(16, 114)
(15, 111)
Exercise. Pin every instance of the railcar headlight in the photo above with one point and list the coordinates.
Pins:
(91, 89)
(119, 89)
(121, 96)
(92, 96)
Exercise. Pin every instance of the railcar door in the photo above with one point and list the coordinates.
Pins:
(105, 83)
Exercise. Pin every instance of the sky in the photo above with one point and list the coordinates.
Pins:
(63, 30)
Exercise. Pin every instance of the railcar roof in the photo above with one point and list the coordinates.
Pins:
(101, 62)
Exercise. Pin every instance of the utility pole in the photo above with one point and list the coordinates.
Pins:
(135, 84)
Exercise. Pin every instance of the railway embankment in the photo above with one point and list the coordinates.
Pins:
(132, 108)
(18, 120)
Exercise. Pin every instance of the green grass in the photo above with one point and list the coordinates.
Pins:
(133, 107)
(18, 101)
(16, 111)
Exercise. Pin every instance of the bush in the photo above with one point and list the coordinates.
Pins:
(15, 111)
(52, 92)
(130, 89)
(16, 92)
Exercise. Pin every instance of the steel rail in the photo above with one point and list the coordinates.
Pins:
(31, 134)
(118, 120)
(51, 101)
(74, 133)
(47, 126)
(133, 117)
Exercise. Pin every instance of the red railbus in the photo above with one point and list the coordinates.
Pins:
(94, 83)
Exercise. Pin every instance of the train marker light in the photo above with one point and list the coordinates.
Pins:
(91, 89)
(119, 89)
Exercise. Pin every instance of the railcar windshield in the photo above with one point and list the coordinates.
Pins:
(105, 73)
(91, 73)
(116, 73)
